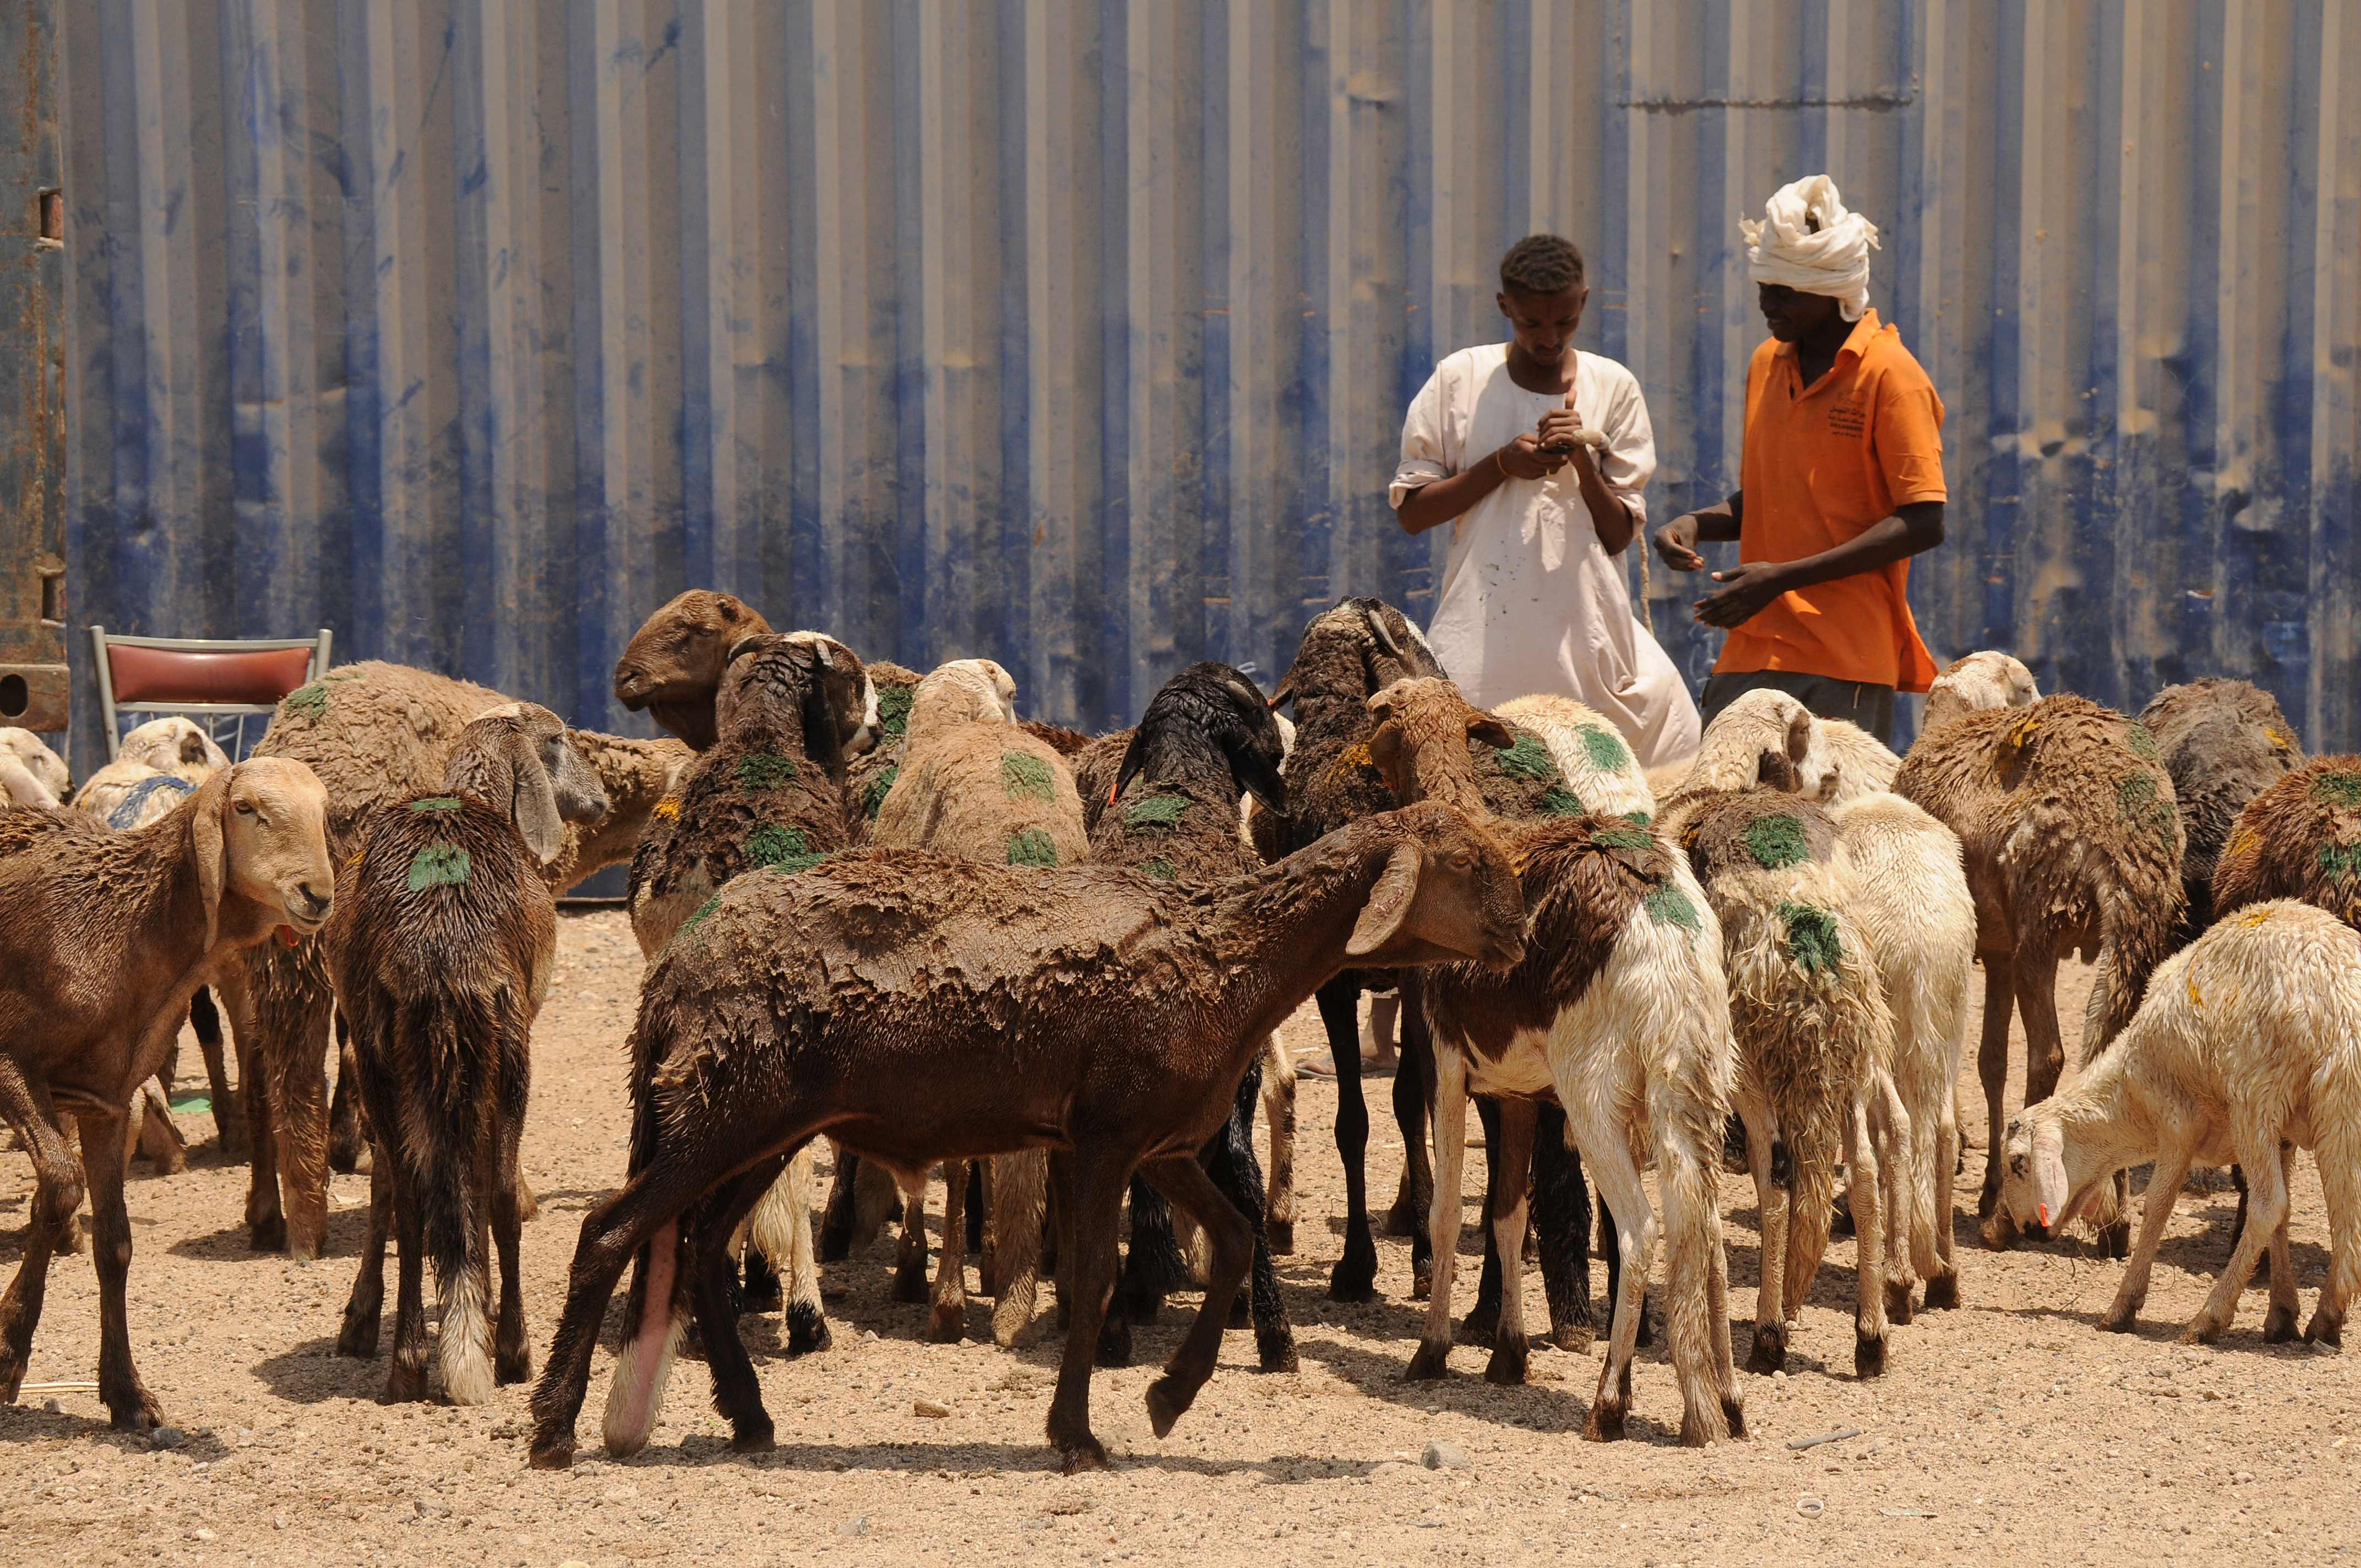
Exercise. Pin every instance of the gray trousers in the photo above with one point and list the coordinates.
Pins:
(1871, 706)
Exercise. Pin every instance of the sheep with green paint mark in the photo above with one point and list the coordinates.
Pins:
(973, 782)
(1599, 773)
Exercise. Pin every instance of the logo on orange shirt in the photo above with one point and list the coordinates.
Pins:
(1847, 419)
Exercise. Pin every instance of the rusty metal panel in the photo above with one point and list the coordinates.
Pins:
(33, 687)
(1077, 333)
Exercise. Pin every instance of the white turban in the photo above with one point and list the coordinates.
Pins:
(1808, 242)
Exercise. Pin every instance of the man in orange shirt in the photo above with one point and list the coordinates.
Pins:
(1841, 482)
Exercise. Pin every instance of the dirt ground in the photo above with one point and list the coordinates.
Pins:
(2010, 1427)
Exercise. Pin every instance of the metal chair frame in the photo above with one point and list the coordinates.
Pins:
(101, 639)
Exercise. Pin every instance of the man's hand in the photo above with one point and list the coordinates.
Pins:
(1524, 459)
(1557, 429)
(1676, 543)
(1747, 590)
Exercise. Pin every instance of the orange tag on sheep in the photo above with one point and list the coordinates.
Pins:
(287, 937)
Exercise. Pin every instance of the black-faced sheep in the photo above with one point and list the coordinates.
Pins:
(440, 947)
(2247, 1046)
(1092, 1012)
(104, 937)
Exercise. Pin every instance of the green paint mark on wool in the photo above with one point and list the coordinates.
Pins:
(1812, 938)
(874, 797)
(1668, 905)
(2142, 741)
(1776, 840)
(1623, 839)
(2338, 789)
(1031, 847)
(346, 674)
(894, 711)
(1639, 818)
(1528, 757)
(436, 803)
(437, 865)
(2342, 862)
(1023, 776)
(1156, 813)
(770, 844)
(1557, 802)
(1161, 870)
(765, 769)
(694, 921)
(792, 865)
(2143, 804)
(1605, 749)
(307, 702)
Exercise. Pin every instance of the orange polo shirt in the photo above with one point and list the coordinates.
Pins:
(1821, 465)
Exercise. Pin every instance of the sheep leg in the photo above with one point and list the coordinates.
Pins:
(1230, 1247)
(947, 1319)
(978, 1202)
(2267, 1211)
(2338, 1159)
(1898, 1168)
(1443, 1209)
(780, 1229)
(1278, 1110)
(737, 1394)
(2163, 1191)
(405, 1378)
(265, 1223)
(1635, 1234)
(2279, 1328)
(1770, 1166)
(346, 1141)
(1355, 1277)
(910, 1264)
(1099, 1178)
(1992, 1070)
(836, 1225)
(129, 1407)
(1233, 1172)
(1412, 1077)
(1561, 1220)
(229, 1127)
(1869, 1327)
(296, 1005)
(1509, 1215)
(511, 1346)
(1932, 1236)
(1152, 1266)
(57, 1195)
(1020, 1184)
(366, 1306)
(1483, 1318)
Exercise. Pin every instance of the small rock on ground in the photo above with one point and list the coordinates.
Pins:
(1442, 1455)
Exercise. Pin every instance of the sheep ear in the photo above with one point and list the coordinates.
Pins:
(1135, 756)
(1773, 771)
(728, 606)
(2049, 1189)
(209, 844)
(1491, 731)
(1283, 696)
(532, 799)
(1386, 752)
(1799, 738)
(1389, 903)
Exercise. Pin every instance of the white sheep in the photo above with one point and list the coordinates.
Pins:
(1852, 761)
(2246, 1046)
(1764, 738)
(1599, 768)
(170, 745)
(30, 773)
(1975, 683)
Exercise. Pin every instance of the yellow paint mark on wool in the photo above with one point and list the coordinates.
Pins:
(2257, 919)
(668, 808)
(2241, 843)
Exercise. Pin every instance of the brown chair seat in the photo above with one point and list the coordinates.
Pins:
(175, 674)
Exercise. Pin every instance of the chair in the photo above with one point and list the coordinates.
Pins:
(204, 678)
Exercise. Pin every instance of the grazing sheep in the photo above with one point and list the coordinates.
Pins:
(375, 732)
(974, 784)
(2223, 742)
(1207, 739)
(2072, 841)
(2298, 839)
(1091, 1011)
(440, 947)
(1815, 1049)
(1977, 683)
(768, 793)
(1617, 1012)
(30, 773)
(104, 938)
(2247, 1046)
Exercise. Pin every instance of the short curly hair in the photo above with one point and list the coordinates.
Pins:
(1541, 264)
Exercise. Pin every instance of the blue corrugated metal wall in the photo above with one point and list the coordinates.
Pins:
(1078, 332)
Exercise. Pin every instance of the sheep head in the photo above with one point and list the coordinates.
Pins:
(173, 745)
(259, 835)
(2035, 1190)
(40, 766)
(1766, 738)
(1976, 684)
(1355, 649)
(964, 691)
(520, 760)
(804, 682)
(1446, 889)
(1425, 728)
(1223, 705)
(673, 665)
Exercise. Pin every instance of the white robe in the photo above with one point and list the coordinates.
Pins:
(1531, 601)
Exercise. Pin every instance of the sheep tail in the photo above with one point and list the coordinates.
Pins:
(1693, 1238)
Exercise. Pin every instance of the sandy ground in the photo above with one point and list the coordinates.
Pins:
(2010, 1427)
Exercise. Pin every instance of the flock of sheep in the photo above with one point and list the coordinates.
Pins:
(882, 909)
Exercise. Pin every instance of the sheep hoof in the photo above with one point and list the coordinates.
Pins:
(134, 1411)
(2325, 1330)
(1770, 1352)
(758, 1291)
(1421, 1281)
(1168, 1400)
(753, 1435)
(2202, 1332)
(806, 1329)
(1241, 1316)
(1576, 1338)
(1114, 1343)
(1695, 1431)
(1430, 1364)
(2116, 1239)
(1988, 1202)
(1942, 1293)
(947, 1324)
(267, 1236)
(910, 1285)
(358, 1339)
(1480, 1326)
(1868, 1356)
(1275, 1350)
(1897, 1302)
(1507, 1367)
(1353, 1279)
(404, 1383)
(513, 1364)
(1404, 1219)
(2280, 1327)
(2123, 1322)
(1605, 1423)
(551, 1454)
(1998, 1234)
(1280, 1234)
(1084, 1455)
(835, 1242)
(1734, 1411)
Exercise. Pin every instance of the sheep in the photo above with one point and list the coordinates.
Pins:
(2248, 1045)
(769, 792)
(1206, 739)
(440, 947)
(1815, 1048)
(375, 732)
(172, 746)
(973, 783)
(1594, 764)
(1977, 683)
(673, 664)
(1619, 1011)
(2072, 839)
(2298, 839)
(1093, 1011)
(104, 937)
(1853, 763)
(30, 773)
(2223, 742)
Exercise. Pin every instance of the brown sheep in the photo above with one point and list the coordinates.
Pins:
(375, 732)
(2299, 838)
(441, 946)
(673, 664)
(2223, 742)
(2072, 840)
(1092, 1011)
(104, 938)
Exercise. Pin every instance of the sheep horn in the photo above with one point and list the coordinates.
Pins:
(1377, 623)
